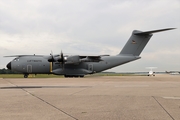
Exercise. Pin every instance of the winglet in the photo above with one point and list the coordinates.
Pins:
(150, 32)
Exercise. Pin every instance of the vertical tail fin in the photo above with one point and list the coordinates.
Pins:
(138, 41)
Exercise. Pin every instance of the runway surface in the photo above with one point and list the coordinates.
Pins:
(91, 98)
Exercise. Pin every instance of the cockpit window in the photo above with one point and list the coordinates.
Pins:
(16, 59)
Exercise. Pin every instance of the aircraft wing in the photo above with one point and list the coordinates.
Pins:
(74, 59)
(91, 58)
(23, 55)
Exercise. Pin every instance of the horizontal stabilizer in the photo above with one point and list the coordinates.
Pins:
(150, 32)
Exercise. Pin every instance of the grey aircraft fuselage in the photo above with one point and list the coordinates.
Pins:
(77, 65)
(40, 65)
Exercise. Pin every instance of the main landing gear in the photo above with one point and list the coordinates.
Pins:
(76, 76)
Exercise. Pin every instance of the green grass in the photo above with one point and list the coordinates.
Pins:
(30, 76)
(113, 74)
(61, 76)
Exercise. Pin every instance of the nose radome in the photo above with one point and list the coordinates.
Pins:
(9, 65)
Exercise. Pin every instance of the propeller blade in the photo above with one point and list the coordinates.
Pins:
(62, 60)
(57, 58)
(51, 58)
(62, 57)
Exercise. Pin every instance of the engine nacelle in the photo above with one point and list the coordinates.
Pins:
(72, 59)
(89, 59)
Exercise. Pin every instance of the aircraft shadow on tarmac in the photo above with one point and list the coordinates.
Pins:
(28, 87)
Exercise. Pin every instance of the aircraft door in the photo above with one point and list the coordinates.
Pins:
(90, 67)
(29, 68)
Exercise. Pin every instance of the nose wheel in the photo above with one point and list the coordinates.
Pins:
(26, 75)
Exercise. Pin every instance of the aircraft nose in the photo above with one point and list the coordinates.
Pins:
(9, 65)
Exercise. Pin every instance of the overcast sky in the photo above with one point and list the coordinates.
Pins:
(91, 27)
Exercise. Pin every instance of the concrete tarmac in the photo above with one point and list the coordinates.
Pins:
(91, 98)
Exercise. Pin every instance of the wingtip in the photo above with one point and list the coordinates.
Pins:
(171, 28)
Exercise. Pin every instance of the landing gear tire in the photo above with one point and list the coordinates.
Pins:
(66, 76)
(76, 76)
(81, 76)
(25, 75)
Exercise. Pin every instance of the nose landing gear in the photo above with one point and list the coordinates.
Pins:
(26, 75)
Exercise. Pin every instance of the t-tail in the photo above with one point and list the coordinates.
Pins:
(138, 41)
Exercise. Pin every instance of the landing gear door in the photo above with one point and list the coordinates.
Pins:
(29, 68)
(90, 67)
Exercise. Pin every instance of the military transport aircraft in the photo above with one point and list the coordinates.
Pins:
(78, 65)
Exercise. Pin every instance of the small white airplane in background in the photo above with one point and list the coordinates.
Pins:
(173, 72)
(151, 73)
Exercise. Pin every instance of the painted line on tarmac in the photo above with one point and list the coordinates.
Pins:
(29, 87)
(163, 108)
(175, 98)
(46, 102)
(132, 86)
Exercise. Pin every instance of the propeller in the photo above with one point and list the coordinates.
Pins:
(57, 58)
(62, 59)
(51, 58)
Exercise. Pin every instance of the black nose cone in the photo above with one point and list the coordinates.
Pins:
(9, 65)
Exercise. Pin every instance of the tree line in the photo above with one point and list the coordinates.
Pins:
(7, 71)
